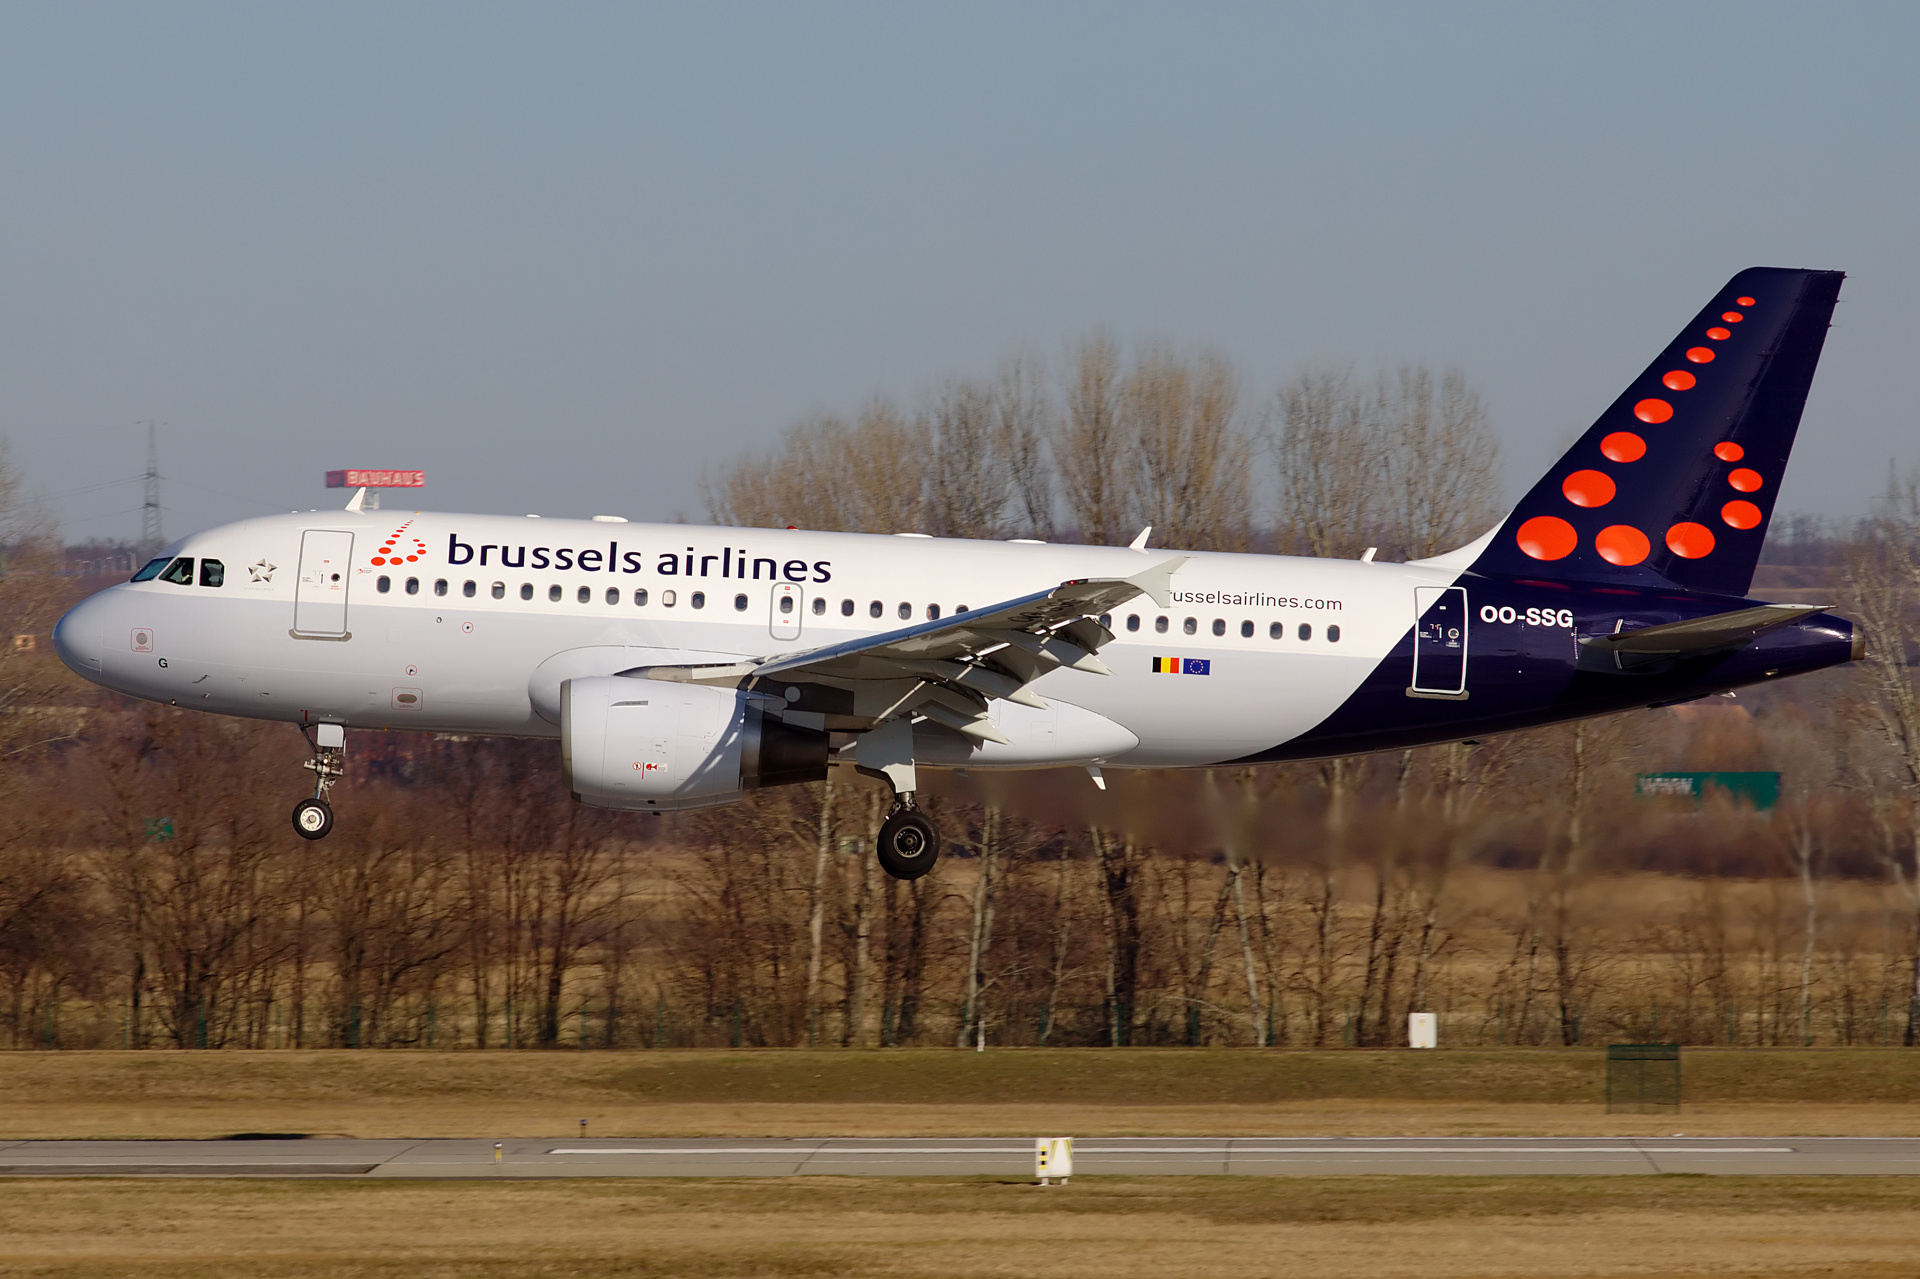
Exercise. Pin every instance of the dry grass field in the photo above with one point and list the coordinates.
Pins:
(934, 1092)
(1198, 1227)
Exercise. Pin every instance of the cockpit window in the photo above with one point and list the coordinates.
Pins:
(180, 571)
(213, 573)
(152, 570)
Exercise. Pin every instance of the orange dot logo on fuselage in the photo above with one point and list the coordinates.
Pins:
(393, 550)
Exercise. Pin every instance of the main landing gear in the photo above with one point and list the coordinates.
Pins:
(313, 818)
(909, 843)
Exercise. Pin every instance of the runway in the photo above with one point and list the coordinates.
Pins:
(346, 1159)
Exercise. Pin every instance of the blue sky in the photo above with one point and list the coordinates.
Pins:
(564, 257)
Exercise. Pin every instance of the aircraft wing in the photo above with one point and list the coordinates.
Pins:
(1704, 634)
(947, 669)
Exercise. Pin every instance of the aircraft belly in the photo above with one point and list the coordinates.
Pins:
(1246, 702)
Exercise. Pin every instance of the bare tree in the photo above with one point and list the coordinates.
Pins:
(1440, 462)
(1091, 451)
(1191, 479)
(1395, 463)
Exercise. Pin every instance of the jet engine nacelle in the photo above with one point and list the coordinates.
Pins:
(655, 746)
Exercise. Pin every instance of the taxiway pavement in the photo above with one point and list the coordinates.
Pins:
(336, 1158)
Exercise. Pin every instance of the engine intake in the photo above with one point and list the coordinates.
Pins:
(654, 746)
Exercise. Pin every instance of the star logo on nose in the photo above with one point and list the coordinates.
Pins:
(261, 571)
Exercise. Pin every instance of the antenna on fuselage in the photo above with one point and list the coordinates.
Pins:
(358, 501)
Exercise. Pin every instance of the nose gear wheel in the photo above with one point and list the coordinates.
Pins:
(312, 818)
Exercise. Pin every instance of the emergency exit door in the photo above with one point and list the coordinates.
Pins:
(320, 592)
(1439, 642)
(784, 621)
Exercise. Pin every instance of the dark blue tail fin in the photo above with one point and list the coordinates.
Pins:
(1675, 484)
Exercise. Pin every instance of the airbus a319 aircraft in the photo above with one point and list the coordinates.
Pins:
(681, 667)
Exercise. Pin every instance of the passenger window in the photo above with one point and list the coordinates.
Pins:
(413, 586)
(1160, 625)
(526, 590)
(1246, 630)
(819, 605)
(213, 573)
(613, 595)
(698, 599)
(786, 605)
(959, 608)
(875, 609)
(499, 590)
(1276, 631)
(1190, 626)
(1333, 635)
(180, 572)
(468, 589)
(640, 597)
(668, 599)
(440, 586)
(739, 603)
(383, 584)
(1133, 621)
(846, 608)
(553, 593)
(933, 612)
(1306, 631)
(1106, 620)
(906, 610)
(152, 570)
(1219, 626)
(584, 594)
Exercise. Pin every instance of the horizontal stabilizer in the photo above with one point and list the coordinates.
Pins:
(1704, 634)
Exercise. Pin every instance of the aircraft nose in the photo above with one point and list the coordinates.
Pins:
(76, 637)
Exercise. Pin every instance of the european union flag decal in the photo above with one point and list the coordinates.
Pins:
(1198, 666)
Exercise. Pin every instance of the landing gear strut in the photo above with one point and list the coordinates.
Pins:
(909, 843)
(313, 818)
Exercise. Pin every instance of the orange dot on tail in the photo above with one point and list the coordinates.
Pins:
(1655, 411)
(1547, 537)
(1741, 514)
(1678, 380)
(1746, 479)
(378, 560)
(1622, 544)
(1719, 334)
(1728, 451)
(1623, 446)
(1700, 354)
(1588, 488)
(1743, 301)
(1690, 541)
(1732, 317)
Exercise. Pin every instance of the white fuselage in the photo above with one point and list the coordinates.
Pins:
(469, 623)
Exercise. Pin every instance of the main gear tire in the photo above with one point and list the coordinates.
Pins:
(312, 818)
(909, 844)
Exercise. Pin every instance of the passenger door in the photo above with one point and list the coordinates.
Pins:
(1439, 642)
(320, 592)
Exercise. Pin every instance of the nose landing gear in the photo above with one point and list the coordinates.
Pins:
(909, 843)
(313, 818)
